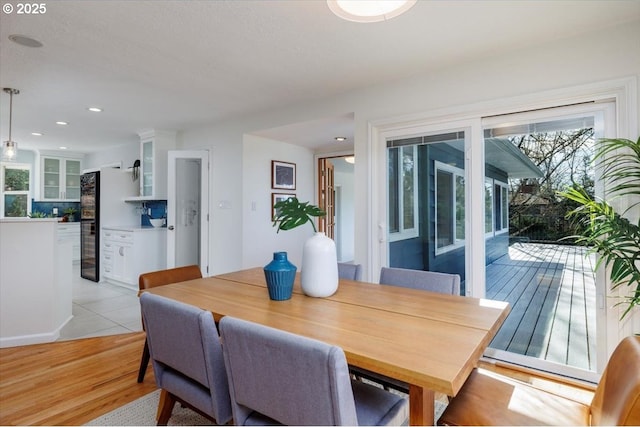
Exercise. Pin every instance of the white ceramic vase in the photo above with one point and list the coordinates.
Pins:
(319, 272)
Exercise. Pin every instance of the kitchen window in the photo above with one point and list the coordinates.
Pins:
(15, 201)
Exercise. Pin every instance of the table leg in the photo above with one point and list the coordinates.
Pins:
(421, 406)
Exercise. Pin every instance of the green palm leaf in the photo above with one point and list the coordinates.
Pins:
(291, 213)
(607, 232)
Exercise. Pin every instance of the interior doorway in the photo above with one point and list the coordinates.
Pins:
(188, 209)
(336, 197)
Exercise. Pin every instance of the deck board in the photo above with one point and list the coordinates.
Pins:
(551, 289)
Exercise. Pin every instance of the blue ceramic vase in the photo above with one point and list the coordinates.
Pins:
(280, 275)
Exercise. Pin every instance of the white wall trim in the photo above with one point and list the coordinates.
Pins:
(624, 90)
(41, 338)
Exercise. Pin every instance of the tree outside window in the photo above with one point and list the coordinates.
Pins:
(15, 190)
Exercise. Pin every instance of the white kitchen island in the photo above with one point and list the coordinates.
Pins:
(35, 281)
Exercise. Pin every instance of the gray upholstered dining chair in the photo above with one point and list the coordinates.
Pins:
(433, 281)
(349, 271)
(187, 358)
(160, 278)
(276, 376)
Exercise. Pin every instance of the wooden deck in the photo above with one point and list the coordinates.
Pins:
(551, 289)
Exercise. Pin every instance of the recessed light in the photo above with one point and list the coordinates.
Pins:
(61, 123)
(340, 138)
(369, 10)
(62, 148)
(24, 40)
(95, 109)
(36, 133)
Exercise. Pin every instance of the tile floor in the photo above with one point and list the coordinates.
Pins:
(101, 309)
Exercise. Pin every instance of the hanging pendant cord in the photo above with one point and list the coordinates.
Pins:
(10, 113)
(11, 92)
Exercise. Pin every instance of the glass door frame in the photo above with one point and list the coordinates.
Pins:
(622, 92)
(604, 124)
(474, 196)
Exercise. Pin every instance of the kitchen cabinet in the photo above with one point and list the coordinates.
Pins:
(154, 148)
(60, 178)
(128, 252)
(116, 256)
(70, 231)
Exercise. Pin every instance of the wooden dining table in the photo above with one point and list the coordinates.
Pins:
(428, 340)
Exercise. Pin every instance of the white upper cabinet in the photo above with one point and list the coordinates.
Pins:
(60, 178)
(154, 147)
(146, 180)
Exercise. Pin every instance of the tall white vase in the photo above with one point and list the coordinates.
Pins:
(319, 273)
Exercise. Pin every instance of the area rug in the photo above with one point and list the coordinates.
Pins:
(142, 412)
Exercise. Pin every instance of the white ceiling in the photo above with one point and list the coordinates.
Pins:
(178, 64)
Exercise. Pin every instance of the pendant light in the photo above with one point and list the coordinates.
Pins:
(10, 147)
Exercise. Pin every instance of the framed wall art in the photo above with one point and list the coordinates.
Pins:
(278, 197)
(283, 175)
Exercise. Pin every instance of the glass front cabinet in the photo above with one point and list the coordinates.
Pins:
(154, 148)
(60, 179)
(146, 181)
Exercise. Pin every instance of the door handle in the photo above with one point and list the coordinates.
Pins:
(170, 227)
(381, 234)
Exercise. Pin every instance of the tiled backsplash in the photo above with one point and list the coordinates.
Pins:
(47, 208)
(158, 210)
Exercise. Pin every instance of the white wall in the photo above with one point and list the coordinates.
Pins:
(260, 239)
(125, 155)
(345, 218)
(599, 56)
(225, 194)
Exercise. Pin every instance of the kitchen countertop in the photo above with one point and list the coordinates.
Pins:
(23, 219)
(132, 228)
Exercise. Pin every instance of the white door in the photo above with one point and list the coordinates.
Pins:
(188, 209)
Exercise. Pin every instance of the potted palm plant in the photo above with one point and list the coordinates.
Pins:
(609, 233)
(319, 275)
(70, 213)
(280, 273)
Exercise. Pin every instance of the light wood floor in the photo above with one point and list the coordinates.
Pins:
(70, 382)
(73, 382)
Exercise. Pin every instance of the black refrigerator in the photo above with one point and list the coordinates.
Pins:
(90, 226)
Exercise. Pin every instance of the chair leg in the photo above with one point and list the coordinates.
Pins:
(165, 406)
(144, 362)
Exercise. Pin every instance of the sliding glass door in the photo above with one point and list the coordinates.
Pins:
(426, 203)
(481, 199)
(533, 261)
